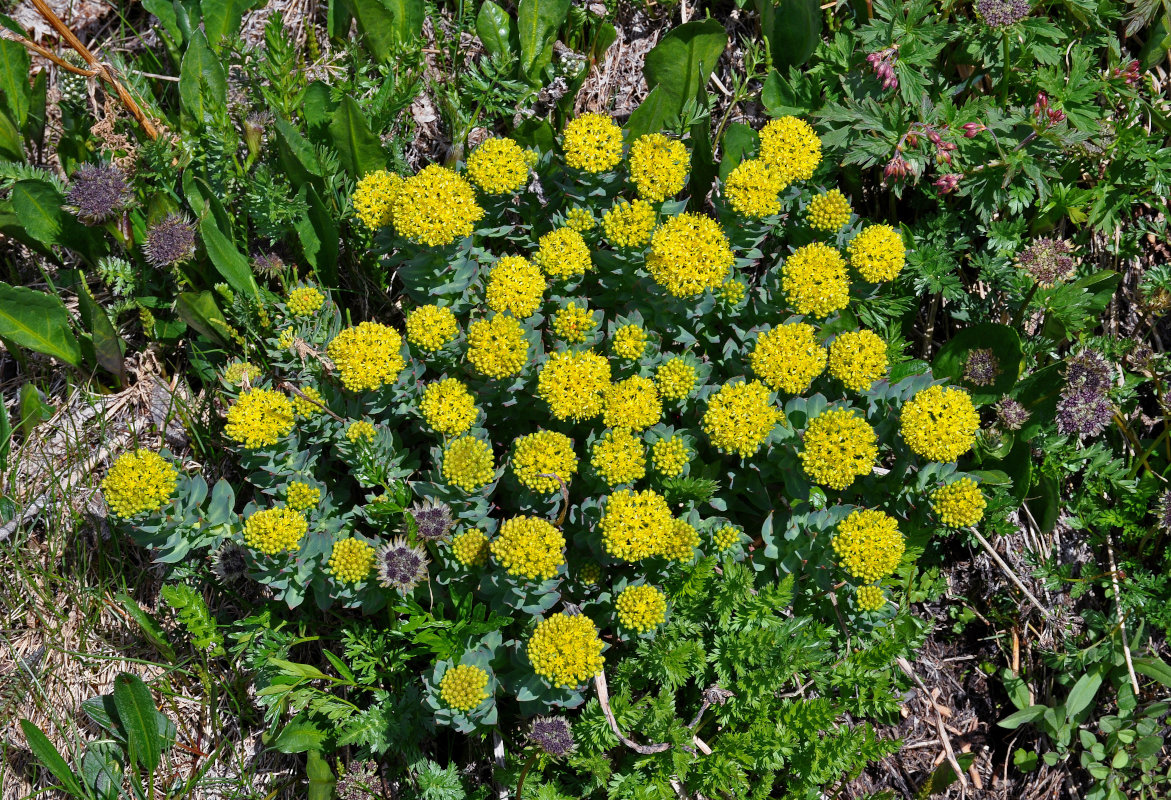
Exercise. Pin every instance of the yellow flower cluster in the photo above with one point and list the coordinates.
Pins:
(658, 166)
(362, 430)
(590, 574)
(275, 530)
(733, 292)
(739, 417)
(139, 481)
(670, 456)
(829, 212)
(753, 189)
(239, 371)
(619, 457)
(573, 384)
(431, 327)
(629, 342)
(285, 340)
(689, 254)
(681, 542)
(788, 357)
(464, 687)
(839, 447)
(515, 285)
(869, 598)
(301, 496)
(635, 525)
(497, 347)
(641, 607)
(538, 456)
(305, 301)
(259, 418)
(858, 359)
(815, 281)
(367, 356)
(877, 253)
(351, 560)
(529, 547)
(498, 166)
(565, 650)
(374, 198)
(592, 143)
(467, 464)
(308, 403)
(580, 220)
(435, 207)
(562, 253)
(470, 548)
(629, 224)
(959, 504)
(632, 403)
(726, 537)
(675, 379)
(869, 544)
(790, 147)
(448, 407)
(573, 324)
(940, 424)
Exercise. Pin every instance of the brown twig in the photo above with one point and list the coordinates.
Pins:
(291, 388)
(1118, 612)
(604, 701)
(1011, 575)
(940, 727)
(564, 494)
(13, 36)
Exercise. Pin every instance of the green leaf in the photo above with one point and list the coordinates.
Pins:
(655, 113)
(33, 410)
(298, 736)
(537, 23)
(48, 755)
(495, 29)
(944, 776)
(358, 146)
(739, 141)
(1082, 694)
(1154, 668)
(1013, 721)
(793, 29)
(387, 24)
(321, 780)
(1005, 344)
(14, 85)
(203, 87)
(780, 99)
(164, 12)
(137, 712)
(199, 310)
(228, 260)
(682, 62)
(37, 205)
(148, 625)
(221, 19)
(107, 344)
(39, 322)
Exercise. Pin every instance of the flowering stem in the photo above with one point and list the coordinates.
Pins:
(520, 782)
(1004, 75)
(1020, 314)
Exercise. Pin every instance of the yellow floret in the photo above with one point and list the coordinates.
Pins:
(670, 456)
(629, 342)
(814, 280)
(636, 525)
(351, 560)
(689, 254)
(592, 143)
(565, 650)
(960, 504)
(360, 431)
(658, 166)
(869, 545)
(573, 384)
(367, 356)
(858, 359)
(788, 357)
(877, 253)
(681, 542)
(374, 196)
(431, 327)
(790, 147)
(869, 598)
(629, 224)
(435, 207)
(468, 464)
(562, 253)
(498, 166)
(580, 220)
(839, 447)
(829, 212)
(275, 530)
(573, 324)
(529, 547)
(301, 496)
(308, 403)
(305, 301)
(538, 457)
(619, 457)
(448, 407)
(641, 608)
(675, 379)
(470, 548)
(632, 403)
(259, 418)
(464, 687)
(940, 424)
(515, 285)
(740, 417)
(753, 189)
(726, 537)
(497, 347)
(138, 482)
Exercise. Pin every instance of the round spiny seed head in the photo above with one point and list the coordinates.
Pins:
(1084, 413)
(553, 735)
(230, 562)
(1163, 510)
(1087, 371)
(268, 265)
(1049, 261)
(433, 520)
(401, 566)
(171, 241)
(97, 192)
(1012, 414)
(981, 367)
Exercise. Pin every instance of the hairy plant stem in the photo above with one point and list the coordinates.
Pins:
(520, 782)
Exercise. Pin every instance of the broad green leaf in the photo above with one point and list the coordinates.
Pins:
(358, 146)
(11, 142)
(387, 24)
(325, 227)
(150, 627)
(739, 141)
(1013, 721)
(682, 62)
(537, 23)
(202, 84)
(164, 12)
(780, 99)
(137, 712)
(33, 409)
(1154, 668)
(408, 16)
(221, 19)
(656, 112)
(792, 27)
(1005, 344)
(37, 205)
(301, 157)
(39, 322)
(5, 438)
(107, 344)
(15, 90)
(317, 107)
(321, 780)
(228, 260)
(298, 736)
(48, 755)
(495, 29)
(1082, 694)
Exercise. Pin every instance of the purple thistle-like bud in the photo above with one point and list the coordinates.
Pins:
(433, 521)
(1002, 13)
(170, 241)
(1012, 414)
(981, 367)
(1087, 371)
(401, 566)
(1049, 261)
(97, 192)
(268, 265)
(1163, 510)
(1083, 413)
(553, 735)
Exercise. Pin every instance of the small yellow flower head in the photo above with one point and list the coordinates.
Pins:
(562, 253)
(238, 371)
(465, 686)
(529, 547)
(619, 457)
(515, 285)
(658, 166)
(497, 347)
(869, 545)
(361, 431)
(675, 379)
(470, 548)
(374, 197)
(960, 504)
(538, 456)
(573, 324)
(940, 424)
(498, 166)
(788, 357)
(726, 537)
(565, 650)
(367, 356)
(680, 544)
(753, 189)
(580, 220)
(869, 598)
(351, 560)
(305, 301)
(814, 280)
(435, 207)
(574, 384)
(829, 212)
(285, 340)
(139, 481)
(448, 407)
(839, 447)
(877, 253)
(858, 359)
(632, 403)
(629, 225)
(592, 143)
(590, 574)
(689, 254)
(641, 608)
(259, 418)
(429, 328)
(670, 456)
(740, 417)
(635, 525)
(468, 464)
(790, 147)
(308, 406)
(301, 496)
(275, 530)
(733, 292)
(629, 342)
(532, 158)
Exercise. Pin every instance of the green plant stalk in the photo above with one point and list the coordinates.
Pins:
(1004, 74)
(520, 782)
(1020, 314)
